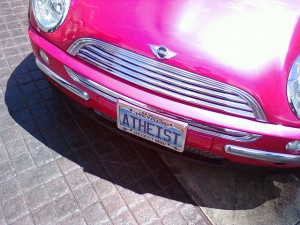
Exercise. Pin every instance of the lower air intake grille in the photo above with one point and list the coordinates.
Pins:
(203, 153)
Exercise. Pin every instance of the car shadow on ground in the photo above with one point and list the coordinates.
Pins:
(232, 189)
(48, 120)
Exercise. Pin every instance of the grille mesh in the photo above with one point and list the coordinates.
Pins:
(167, 80)
(203, 153)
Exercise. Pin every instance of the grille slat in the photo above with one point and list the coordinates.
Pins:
(166, 76)
(167, 80)
(154, 88)
(121, 71)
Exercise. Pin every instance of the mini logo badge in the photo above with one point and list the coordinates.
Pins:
(162, 52)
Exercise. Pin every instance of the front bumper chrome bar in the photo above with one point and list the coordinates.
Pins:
(262, 155)
(225, 133)
(75, 90)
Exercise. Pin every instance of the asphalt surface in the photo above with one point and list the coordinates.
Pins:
(58, 167)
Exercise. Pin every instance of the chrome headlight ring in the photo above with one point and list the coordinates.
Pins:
(50, 14)
(293, 87)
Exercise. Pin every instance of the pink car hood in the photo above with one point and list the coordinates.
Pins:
(248, 44)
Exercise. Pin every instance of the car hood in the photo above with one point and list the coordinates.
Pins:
(239, 34)
(248, 44)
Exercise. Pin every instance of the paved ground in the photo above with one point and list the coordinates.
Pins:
(232, 197)
(56, 167)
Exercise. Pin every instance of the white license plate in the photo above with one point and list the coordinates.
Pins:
(151, 126)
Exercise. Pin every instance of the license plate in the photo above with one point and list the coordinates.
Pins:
(151, 126)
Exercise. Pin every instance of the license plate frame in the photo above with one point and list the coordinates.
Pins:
(151, 126)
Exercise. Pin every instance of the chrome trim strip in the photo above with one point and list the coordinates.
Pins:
(101, 90)
(225, 133)
(198, 127)
(75, 90)
(168, 80)
(262, 155)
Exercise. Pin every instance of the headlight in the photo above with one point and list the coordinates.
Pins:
(50, 14)
(293, 87)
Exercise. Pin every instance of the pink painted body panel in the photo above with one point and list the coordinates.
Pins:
(248, 45)
(136, 24)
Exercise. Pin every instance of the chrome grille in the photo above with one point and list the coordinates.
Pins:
(212, 130)
(167, 80)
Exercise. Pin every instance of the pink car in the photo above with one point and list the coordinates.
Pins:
(210, 79)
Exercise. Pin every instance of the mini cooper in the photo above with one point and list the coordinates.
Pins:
(215, 79)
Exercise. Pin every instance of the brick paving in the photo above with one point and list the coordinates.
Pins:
(58, 167)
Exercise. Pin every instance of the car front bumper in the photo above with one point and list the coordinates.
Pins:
(236, 139)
